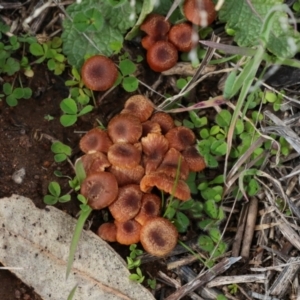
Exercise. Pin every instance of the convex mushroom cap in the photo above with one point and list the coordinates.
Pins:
(128, 203)
(162, 56)
(194, 160)
(108, 232)
(156, 25)
(128, 232)
(100, 189)
(158, 236)
(99, 73)
(164, 120)
(95, 162)
(183, 37)
(95, 140)
(124, 155)
(180, 137)
(199, 12)
(140, 106)
(125, 128)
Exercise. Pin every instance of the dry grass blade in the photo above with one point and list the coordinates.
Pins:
(225, 280)
(202, 279)
(282, 130)
(281, 284)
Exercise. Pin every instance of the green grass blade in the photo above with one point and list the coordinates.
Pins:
(72, 293)
(76, 235)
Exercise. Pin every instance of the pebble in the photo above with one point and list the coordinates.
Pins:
(18, 176)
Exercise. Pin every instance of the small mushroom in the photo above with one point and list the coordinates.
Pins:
(200, 12)
(108, 232)
(128, 203)
(128, 232)
(154, 147)
(183, 37)
(158, 236)
(193, 158)
(95, 162)
(155, 25)
(125, 128)
(100, 189)
(127, 176)
(165, 183)
(99, 73)
(148, 41)
(180, 137)
(124, 155)
(150, 127)
(95, 140)
(162, 56)
(140, 106)
(164, 120)
(169, 165)
(150, 208)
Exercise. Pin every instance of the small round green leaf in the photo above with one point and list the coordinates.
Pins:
(206, 243)
(223, 118)
(11, 100)
(68, 120)
(64, 198)
(211, 209)
(60, 157)
(69, 106)
(130, 84)
(86, 110)
(36, 49)
(54, 189)
(127, 67)
(50, 200)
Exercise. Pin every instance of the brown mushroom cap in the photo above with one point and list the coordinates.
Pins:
(128, 176)
(99, 73)
(166, 184)
(95, 140)
(101, 189)
(180, 137)
(164, 120)
(158, 236)
(169, 165)
(125, 128)
(154, 146)
(156, 25)
(128, 232)
(199, 12)
(124, 155)
(162, 56)
(150, 127)
(128, 203)
(182, 37)
(194, 160)
(150, 208)
(140, 106)
(95, 162)
(148, 40)
(108, 232)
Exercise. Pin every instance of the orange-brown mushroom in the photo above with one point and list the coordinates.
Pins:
(148, 41)
(164, 120)
(158, 236)
(162, 56)
(127, 176)
(128, 232)
(150, 127)
(95, 140)
(140, 106)
(183, 37)
(193, 158)
(95, 162)
(99, 73)
(180, 137)
(200, 12)
(169, 165)
(124, 155)
(150, 208)
(154, 147)
(108, 232)
(128, 203)
(100, 189)
(166, 184)
(156, 25)
(125, 128)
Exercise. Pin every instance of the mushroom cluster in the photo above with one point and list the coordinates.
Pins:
(139, 150)
(163, 41)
